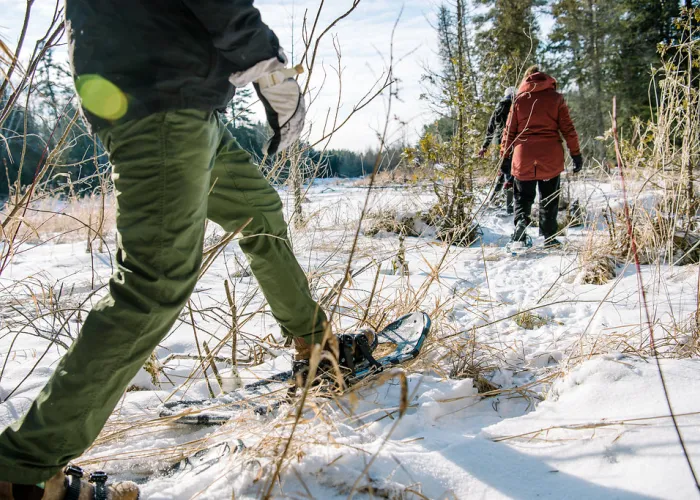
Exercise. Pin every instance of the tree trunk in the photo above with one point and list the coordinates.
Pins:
(594, 52)
(460, 186)
(687, 137)
(298, 216)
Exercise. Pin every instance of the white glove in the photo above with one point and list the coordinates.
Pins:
(281, 95)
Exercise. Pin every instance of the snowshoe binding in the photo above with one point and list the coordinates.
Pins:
(354, 351)
(72, 484)
(397, 343)
(520, 239)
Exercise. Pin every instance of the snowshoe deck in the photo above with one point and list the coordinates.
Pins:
(399, 342)
(516, 247)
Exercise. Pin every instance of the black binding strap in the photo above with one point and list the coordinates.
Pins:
(347, 359)
(355, 348)
(99, 478)
(73, 475)
(363, 346)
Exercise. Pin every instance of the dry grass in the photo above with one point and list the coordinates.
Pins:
(597, 266)
(61, 220)
(389, 221)
(435, 221)
(468, 361)
(275, 444)
(530, 320)
(403, 175)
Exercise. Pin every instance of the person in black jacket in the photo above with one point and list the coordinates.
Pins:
(151, 76)
(494, 130)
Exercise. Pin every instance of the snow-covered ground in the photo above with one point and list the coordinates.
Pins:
(577, 410)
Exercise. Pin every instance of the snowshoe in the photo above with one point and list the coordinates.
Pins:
(520, 239)
(515, 247)
(520, 234)
(397, 343)
(204, 459)
(504, 213)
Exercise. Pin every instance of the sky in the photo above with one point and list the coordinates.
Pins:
(364, 38)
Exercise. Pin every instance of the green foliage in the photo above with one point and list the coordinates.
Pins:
(238, 111)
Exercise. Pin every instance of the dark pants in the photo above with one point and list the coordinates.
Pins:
(525, 191)
(500, 181)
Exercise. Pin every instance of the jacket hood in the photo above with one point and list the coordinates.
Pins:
(537, 82)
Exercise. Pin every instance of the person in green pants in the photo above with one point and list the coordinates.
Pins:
(151, 77)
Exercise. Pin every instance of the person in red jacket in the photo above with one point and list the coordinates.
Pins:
(532, 151)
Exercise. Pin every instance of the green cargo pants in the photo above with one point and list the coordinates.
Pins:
(172, 170)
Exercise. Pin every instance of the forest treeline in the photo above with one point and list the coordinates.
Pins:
(596, 49)
(32, 130)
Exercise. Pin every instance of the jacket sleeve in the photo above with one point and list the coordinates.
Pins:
(496, 122)
(491, 129)
(566, 125)
(510, 132)
(237, 31)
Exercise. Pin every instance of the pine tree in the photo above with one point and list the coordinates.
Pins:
(239, 112)
(507, 43)
(643, 25)
(454, 93)
(582, 45)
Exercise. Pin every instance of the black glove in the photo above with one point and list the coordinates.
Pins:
(578, 163)
(509, 183)
(506, 166)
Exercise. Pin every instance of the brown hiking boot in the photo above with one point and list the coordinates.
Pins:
(303, 348)
(70, 486)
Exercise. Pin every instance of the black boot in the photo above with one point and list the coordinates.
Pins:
(509, 201)
(520, 233)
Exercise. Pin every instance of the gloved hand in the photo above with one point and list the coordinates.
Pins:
(281, 95)
(481, 153)
(506, 166)
(578, 163)
(509, 183)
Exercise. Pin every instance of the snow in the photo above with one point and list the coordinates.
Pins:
(579, 414)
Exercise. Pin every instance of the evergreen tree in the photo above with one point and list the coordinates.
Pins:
(239, 112)
(16, 160)
(599, 49)
(455, 94)
(581, 47)
(643, 25)
(507, 42)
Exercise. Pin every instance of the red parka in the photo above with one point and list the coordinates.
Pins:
(532, 133)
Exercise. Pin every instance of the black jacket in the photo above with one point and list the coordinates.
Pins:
(497, 122)
(165, 54)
